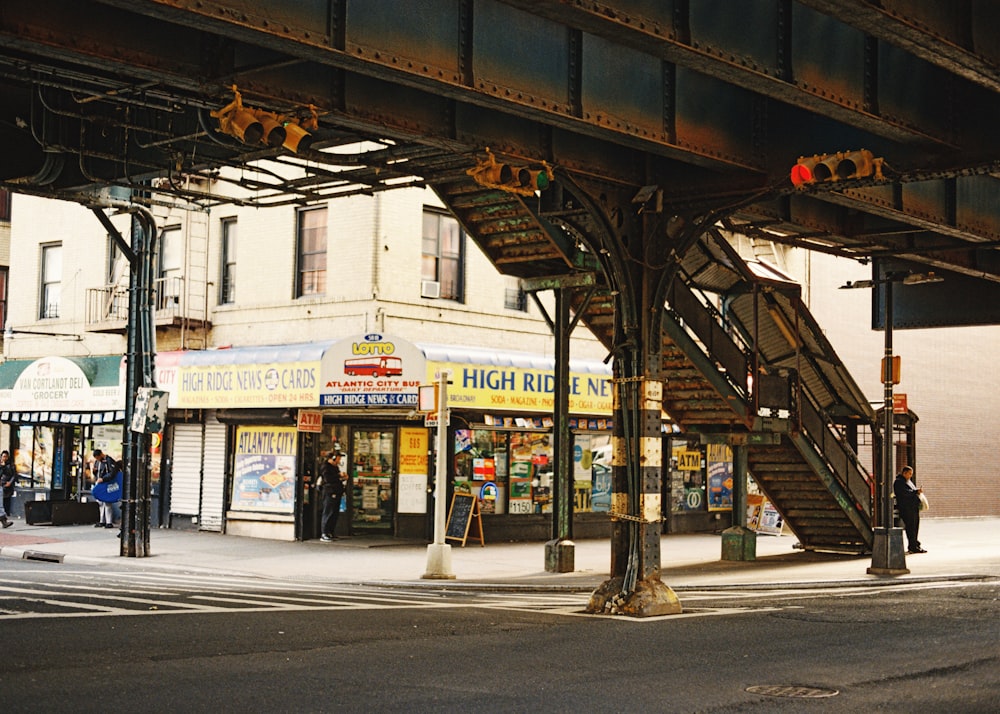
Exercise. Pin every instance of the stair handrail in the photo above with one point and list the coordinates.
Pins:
(705, 322)
(843, 461)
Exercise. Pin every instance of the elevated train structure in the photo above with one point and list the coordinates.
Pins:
(601, 148)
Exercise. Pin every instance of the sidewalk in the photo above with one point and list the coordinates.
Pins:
(965, 547)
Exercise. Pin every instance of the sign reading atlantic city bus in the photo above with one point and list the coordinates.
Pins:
(372, 370)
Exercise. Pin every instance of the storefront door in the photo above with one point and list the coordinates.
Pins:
(372, 471)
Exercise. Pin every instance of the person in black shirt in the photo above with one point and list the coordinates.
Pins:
(332, 492)
(908, 502)
(8, 476)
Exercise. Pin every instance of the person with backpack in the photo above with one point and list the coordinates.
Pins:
(105, 470)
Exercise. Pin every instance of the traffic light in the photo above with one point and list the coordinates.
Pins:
(259, 126)
(842, 166)
(535, 179)
(523, 180)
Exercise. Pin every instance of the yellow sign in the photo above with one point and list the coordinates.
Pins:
(688, 460)
(518, 389)
(279, 384)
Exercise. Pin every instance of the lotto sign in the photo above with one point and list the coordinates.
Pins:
(689, 460)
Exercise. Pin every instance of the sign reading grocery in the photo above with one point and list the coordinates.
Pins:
(59, 384)
(518, 388)
(371, 370)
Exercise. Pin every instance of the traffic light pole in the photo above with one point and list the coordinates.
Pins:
(888, 557)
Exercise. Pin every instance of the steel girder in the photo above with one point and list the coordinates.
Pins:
(708, 100)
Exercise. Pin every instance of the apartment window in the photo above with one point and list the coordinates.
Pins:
(3, 298)
(515, 299)
(171, 268)
(51, 280)
(441, 269)
(117, 263)
(311, 253)
(227, 282)
(4, 204)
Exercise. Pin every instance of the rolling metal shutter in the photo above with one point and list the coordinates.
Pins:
(213, 491)
(185, 472)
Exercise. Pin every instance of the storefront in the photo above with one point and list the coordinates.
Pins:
(57, 410)
(248, 428)
(502, 434)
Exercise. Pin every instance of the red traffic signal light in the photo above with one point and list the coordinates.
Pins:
(842, 166)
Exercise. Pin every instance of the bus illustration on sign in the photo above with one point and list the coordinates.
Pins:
(374, 366)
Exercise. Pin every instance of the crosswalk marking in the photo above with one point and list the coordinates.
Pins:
(83, 593)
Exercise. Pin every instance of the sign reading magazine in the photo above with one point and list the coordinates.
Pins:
(464, 509)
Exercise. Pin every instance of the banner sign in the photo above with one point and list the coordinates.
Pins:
(520, 389)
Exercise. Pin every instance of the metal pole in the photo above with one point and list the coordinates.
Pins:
(439, 552)
(885, 507)
(888, 557)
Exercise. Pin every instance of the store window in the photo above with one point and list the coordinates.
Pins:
(372, 466)
(512, 472)
(311, 252)
(51, 288)
(443, 249)
(33, 456)
(688, 477)
(227, 281)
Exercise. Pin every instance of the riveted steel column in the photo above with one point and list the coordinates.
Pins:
(559, 552)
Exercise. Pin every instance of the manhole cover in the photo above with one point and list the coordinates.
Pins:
(789, 690)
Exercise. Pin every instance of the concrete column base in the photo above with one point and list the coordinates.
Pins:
(651, 598)
(739, 543)
(888, 556)
(439, 562)
(559, 556)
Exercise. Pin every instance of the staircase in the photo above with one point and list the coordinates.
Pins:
(741, 356)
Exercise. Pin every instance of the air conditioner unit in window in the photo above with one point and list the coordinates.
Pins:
(430, 289)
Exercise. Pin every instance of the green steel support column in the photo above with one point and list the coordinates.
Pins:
(559, 552)
(738, 541)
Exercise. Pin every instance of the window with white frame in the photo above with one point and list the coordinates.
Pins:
(51, 274)
(171, 268)
(443, 254)
(311, 252)
(227, 281)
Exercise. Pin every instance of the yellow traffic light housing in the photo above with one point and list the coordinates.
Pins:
(522, 180)
(259, 126)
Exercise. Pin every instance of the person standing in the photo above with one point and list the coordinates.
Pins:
(8, 476)
(908, 502)
(332, 492)
(105, 469)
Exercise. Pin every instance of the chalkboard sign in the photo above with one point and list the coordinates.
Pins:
(464, 509)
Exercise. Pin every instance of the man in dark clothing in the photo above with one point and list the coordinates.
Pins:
(8, 476)
(908, 502)
(332, 491)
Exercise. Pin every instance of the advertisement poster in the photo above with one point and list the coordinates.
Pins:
(264, 472)
(413, 461)
(720, 477)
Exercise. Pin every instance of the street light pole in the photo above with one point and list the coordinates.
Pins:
(888, 557)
